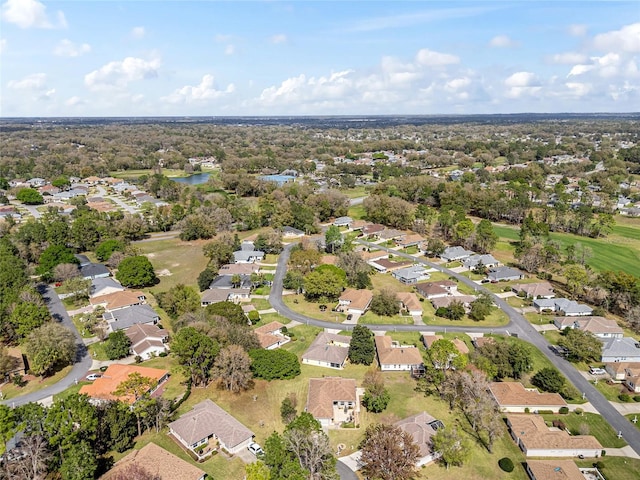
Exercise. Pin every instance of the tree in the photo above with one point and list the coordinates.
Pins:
(269, 242)
(256, 471)
(388, 453)
(323, 283)
(219, 250)
(481, 307)
(376, 397)
(274, 364)
(8, 426)
(333, 239)
(576, 277)
(293, 280)
(362, 349)
(303, 260)
(179, 300)
(229, 310)
(549, 379)
(485, 238)
(196, 352)
(453, 448)
(26, 317)
(357, 269)
(288, 409)
(136, 272)
(582, 346)
(444, 355)
(134, 387)
(29, 196)
(131, 227)
(385, 303)
(53, 256)
(105, 249)
(117, 345)
(509, 359)
(79, 462)
(65, 271)
(116, 427)
(49, 347)
(309, 445)
(205, 278)
(282, 464)
(232, 368)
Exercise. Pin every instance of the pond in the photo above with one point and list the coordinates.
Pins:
(196, 179)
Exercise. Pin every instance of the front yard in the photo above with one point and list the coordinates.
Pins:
(590, 424)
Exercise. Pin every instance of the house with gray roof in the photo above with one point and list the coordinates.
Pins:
(125, 317)
(343, 221)
(225, 282)
(328, 350)
(411, 275)
(94, 270)
(207, 423)
(625, 349)
(504, 274)
(104, 286)
(452, 254)
(422, 427)
(563, 306)
(247, 254)
(474, 260)
(599, 326)
(290, 232)
(215, 295)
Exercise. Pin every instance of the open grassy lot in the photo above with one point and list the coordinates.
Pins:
(174, 261)
(356, 212)
(375, 319)
(616, 468)
(167, 172)
(9, 390)
(386, 281)
(297, 303)
(597, 426)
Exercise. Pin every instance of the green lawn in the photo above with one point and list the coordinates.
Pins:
(9, 390)
(375, 319)
(597, 426)
(611, 391)
(133, 174)
(632, 417)
(97, 352)
(261, 303)
(357, 212)
(616, 468)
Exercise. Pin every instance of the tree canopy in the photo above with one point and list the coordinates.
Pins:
(136, 272)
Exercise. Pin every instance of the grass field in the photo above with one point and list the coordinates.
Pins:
(9, 390)
(597, 426)
(356, 212)
(167, 172)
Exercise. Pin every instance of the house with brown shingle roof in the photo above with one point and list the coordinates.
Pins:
(599, 326)
(422, 427)
(409, 240)
(553, 470)
(384, 265)
(270, 335)
(536, 439)
(328, 350)
(147, 340)
(373, 229)
(333, 400)
(160, 463)
(410, 302)
(207, 423)
(393, 356)
(116, 300)
(534, 290)
(373, 255)
(102, 389)
(513, 397)
(445, 302)
(437, 289)
(354, 301)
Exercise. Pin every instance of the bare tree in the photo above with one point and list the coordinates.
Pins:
(232, 368)
(33, 463)
(312, 449)
(65, 271)
(388, 453)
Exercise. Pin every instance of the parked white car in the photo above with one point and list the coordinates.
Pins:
(255, 449)
(597, 371)
(93, 376)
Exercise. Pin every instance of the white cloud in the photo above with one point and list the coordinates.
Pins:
(522, 84)
(206, 91)
(577, 30)
(74, 101)
(279, 38)
(502, 41)
(429, 58)
(30, 14)
(35, 81)
(457, 84)
(567, 58)
(119, 74)
(66, 48)
(3, 45)
(138, 32)
(627, 39)
(578, 89)
(229, 49)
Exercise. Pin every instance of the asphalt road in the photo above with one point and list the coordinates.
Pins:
(518, 325)
(83, 359)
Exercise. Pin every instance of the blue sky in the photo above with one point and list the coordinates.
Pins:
(142, 58)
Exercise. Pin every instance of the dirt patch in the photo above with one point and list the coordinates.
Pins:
(163, 273)
(149, 255)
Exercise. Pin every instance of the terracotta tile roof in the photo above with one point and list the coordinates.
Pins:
(158, 462)
(329, 348)
(514, 394)
(554, 470)
(410, 300)
(206, 419)
(411, 239)
(388, 354)
(535, 435)
(428, 289)
(103, 387)
(358, 299)
(324, 391)
(119, 299)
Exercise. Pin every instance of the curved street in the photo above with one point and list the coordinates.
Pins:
(518, 325)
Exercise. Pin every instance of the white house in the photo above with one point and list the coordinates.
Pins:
(451, 254)
(625, 349)
(328, 350)
(355, 301)
(333, 401)
(599, 326)
(411, 275)
(392, 356)
(473, 261)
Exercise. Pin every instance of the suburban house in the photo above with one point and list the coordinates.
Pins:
(384, 265)
(422, 427)
(102, 388)
(328, 350)
(514, 398)
(238, 269)
(125, 317)
(247, 254)
(474, 260)
(445, 302)
(94, 270)
(343, 222)
(160, 463)
(392, 356)
(409, 240)
(625, 349)
(215, 295)
(569, 308)
(208, 424)
(410, 303)
(354, 301)
(333, 401)
(15, 364)
(104, 286)
(373, 255)
(632, 377)
(411, 275)
(451, 254)
(504, 274)
(437, 289)
(391, 234)
(620, 370)
(271, 336)
(534, 290)
(147, 340)
(554, 470)
(372, 229)
(358, 225)
(428, 340)
(116, 300)
(290, 232)
(226, 282)
(535, 439)
(599, 326)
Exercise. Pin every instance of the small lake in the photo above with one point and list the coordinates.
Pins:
(193, 179)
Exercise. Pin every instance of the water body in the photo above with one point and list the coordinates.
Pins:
(197, 179)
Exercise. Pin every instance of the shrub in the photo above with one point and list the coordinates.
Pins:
(564, 410)
(545, 412)
(636, 398)
(578, 411)
(162, 354)
(559, 424)
(527, 410)
(599, 465)
(506, 464)
(624, 397)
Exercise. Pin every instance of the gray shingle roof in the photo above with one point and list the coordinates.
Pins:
(126, 317)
